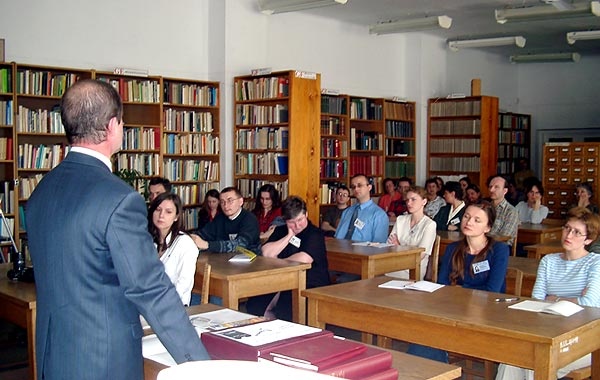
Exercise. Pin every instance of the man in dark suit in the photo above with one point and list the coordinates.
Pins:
(95, 265)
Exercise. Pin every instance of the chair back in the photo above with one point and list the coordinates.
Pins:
(206, 283)
(514, 281)
(433, 264)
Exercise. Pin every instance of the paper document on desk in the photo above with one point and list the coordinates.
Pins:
(423, 286)
(373, 244)
(266, 332)
(564, 308)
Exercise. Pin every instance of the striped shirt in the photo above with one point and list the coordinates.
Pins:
(564, 278)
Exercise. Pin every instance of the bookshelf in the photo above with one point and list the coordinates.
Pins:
(277, 135)
(400, 154)
(366, 139)
(565, 165)
(141, 148)
(190, 140)
(514, 140)
(7, 162)
(463, 137)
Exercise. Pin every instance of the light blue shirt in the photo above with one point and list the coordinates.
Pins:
(376, 223)
(568, 278)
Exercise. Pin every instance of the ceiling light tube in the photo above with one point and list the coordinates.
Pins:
(411, 25)
(487, 42)
(585, 35)
(547, 12)
(269, 7)
(550, 57)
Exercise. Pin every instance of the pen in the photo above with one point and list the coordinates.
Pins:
(507, 299)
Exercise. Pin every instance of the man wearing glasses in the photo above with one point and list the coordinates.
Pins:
(332, 217)
(234, 227)
(364, 221)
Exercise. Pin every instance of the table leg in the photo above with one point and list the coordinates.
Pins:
(596, 365)
(299, 302)
(230, 298)
(313, 314)
(31, 315)
(545, 368)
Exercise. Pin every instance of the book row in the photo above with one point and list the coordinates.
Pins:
(505, 151)
(134, 90)
(333, 147)
(368, 165)
(395, 169)
(458, 108)
(454, 145)
(7, 197)
(251, 114)
(193, 144)
(261, 163)
(262, 138)
(141, 139)
(395, 128)
(454, 164)
(249, 187)
(261, 88)
(6, 148)
(514, 137)
(399, 148)
(334, 169)
(39, 121)
(333, 105)
(28, 184)
(399, 111)
(190, 94)
(365, 109)
(513, 122)
(455, 127)
(31, 156)
(332, 125)
(145, 164)
(364, 140)
(188, 121)
(187, 170)
(193, 194)
(5, 80)
(6, 112)
(44, 83)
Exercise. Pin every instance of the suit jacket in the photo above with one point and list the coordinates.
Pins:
(96, 270)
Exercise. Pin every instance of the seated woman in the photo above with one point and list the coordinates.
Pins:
(414, 228)
(450, 216)
(176, 249)
(584, 194)
(434, 201)
(573, 276)
(210, 208)
(532, 210)
(476, 262)
(267, 208)
(391, 194)
(473, 195)
(464, 183)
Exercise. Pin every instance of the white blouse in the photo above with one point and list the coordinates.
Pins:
(180, 265)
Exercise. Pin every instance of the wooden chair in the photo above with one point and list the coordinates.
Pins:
(206, 283)
(580, 374)
(433, 264)
(514, 281)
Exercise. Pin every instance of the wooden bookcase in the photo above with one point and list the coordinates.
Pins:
(400, 153)
(514, 140)
(564, 166)
(463, 138)
(7, 150)
(277, 135)
(366, 139)
(190, 141)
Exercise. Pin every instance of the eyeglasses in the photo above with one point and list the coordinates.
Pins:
(568, 229)
(358, 185)
(228, 201)
(344, 195)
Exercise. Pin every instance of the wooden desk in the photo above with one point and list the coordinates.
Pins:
(538, 233)
(369, 262)
(537, 251)
(264, 275)
(409, 367)
(460, 320)
(529, 268)
(19, 307)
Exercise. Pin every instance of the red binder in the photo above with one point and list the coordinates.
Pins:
(369, 362)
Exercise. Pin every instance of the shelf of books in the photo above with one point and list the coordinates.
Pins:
(190, 140)
(514, 141)
(463, 138)
(366, 139)
(334, 168)
(7, 162)
(400, 156)
(40, 140)
(140, 151)
(277, 135)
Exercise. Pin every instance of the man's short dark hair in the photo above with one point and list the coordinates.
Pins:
(234, 189)
(292, 207)
(405, 179)
(161, 181)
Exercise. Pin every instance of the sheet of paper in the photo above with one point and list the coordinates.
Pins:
(373, 244)
(266, 332)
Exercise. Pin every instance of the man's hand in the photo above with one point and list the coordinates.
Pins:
(200, 243)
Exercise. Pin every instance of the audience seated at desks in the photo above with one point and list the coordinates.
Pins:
(391, 194)
(573, 275)
(585, 194)
(450, 216)
(176, 249)
(507, 218)
(473, 194)
(398, 207)
(464, 183)
(267, 208)
(209, 209)
(332, 217)
(297, 240)
(434, 201)
(532, 210)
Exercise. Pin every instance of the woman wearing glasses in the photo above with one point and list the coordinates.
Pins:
(573, 275)
(532, 210)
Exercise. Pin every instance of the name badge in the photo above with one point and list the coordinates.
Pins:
(359, 224)
(481, 266)
(455, 221)
(295, 241)
(232, 236)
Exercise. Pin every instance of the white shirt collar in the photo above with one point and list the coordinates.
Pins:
(93, 153)
(232, 217)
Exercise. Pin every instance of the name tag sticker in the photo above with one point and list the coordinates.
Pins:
(481, 266)
(359, 224)
(295, 241)
(232, 236)
(455, 221)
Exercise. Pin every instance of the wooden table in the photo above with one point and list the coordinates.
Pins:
(369, 262)
(264, 275)
(409, 367)
(537, 251)
(460, 320)
(529, 268)
(18, 300)
(538, 233)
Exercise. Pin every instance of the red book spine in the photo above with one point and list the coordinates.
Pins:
(390, 374)
(370, 362)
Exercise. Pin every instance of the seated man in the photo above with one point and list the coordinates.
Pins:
(331, 219)
(156, 186)
(233, 227)
(297, 240)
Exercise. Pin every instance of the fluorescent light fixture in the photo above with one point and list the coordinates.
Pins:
(411, 25)
(550, 57)
(487, 42)
(547, 12)
(269, 7)
(586, 35)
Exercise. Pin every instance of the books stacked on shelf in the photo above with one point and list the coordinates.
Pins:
(6, 112)
(333, 105)
(4, 232)
(190, 218)
(395, 128)
(327, 193)
(333, 147)
(191, 144)
(332, 125)
(455, 146)
(454, 164)
(399, 111)
(365, 109)
(262, 138)
(39, 121)
(399, 148)
(7, 197)
(44, 83)
(455, 127)
(365, 140)
(187, 170)
(5, 80)
(148, 164)
(191, 94)
(6, 148)
(513, 121)
(458, 108)
(261, 163)
(369, 165)
(140, 138)
(135, 90)
(396, 169)
(252, 114)
(261, 88)
(39, 156)
(249, 187)
(334, 169)
(187, 121)
(27, 185)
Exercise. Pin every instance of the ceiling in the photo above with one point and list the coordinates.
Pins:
(473, 19)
